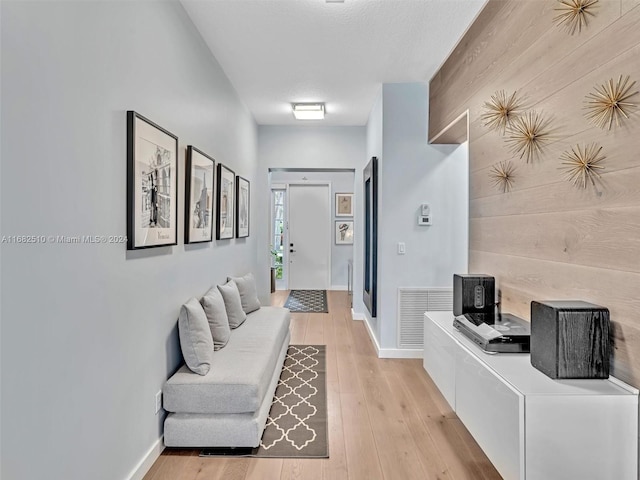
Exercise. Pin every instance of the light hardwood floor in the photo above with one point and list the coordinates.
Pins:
(387, 420)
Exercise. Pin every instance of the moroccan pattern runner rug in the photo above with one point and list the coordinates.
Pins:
(307, 301)
(297, 422)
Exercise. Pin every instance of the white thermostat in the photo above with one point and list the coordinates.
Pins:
(424, 216)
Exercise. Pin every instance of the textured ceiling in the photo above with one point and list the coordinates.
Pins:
(276, 52)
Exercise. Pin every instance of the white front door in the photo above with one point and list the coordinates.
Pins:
(309, 237)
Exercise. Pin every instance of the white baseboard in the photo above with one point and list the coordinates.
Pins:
(363, 317)
(147, 461)
(339, 287)
(386, 352)
(373, 338)
(400, 353)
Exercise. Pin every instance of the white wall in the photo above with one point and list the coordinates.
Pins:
(341, 182)
(411, 173)
(306, 147)
(89, 331)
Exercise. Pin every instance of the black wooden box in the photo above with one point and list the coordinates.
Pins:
(570, 339)
(473, 294)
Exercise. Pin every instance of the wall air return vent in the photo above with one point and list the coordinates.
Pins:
(412, 303)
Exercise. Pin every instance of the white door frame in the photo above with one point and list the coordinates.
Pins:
(285, 251)
(330, 239)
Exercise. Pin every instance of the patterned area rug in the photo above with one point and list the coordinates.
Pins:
(307, 301)
(297, 422)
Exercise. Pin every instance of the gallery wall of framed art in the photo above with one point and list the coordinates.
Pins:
(152, 191)
(198, 217)
(152, 184)
(343, 227)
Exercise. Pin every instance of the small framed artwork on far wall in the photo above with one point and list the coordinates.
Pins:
(344, 204)
(242, 206)
(344, 232)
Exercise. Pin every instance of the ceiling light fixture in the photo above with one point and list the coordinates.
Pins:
(308, 111)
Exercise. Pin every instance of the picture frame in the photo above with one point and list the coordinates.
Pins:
(225, 208)
(344, 232)
(344, 204)
(243, 205)
(370, 240)
(152, 184)
(199, 188)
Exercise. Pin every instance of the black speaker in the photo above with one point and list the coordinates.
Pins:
(473, 294)
(570, 339)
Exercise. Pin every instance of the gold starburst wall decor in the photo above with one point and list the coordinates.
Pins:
(581, 164)
(502, 175)
(501, 111)
(609, 103)
(574, 14)
(528, 135)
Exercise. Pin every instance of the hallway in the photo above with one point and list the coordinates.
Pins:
(387, 420)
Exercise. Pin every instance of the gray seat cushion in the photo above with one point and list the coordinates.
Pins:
(240, 372)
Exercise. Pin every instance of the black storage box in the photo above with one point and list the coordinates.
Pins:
(570, 339)
(473, 294)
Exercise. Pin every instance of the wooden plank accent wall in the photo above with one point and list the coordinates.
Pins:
(547, 239)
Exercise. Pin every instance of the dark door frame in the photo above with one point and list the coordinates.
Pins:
(369, 290)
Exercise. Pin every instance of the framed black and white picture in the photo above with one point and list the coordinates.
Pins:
(344, 204)
(344, 232)
(225, 208)
(152, 184)
(198, 197)
(242, 207)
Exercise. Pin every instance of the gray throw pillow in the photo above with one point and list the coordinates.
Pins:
(248, 292)
(216, 312)
(232, 303)
(195, 337)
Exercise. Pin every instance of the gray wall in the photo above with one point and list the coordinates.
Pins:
(341, 182)
(411, 173)
(307, 147)
(89, 331)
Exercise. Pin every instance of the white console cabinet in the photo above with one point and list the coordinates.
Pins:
(530, 426)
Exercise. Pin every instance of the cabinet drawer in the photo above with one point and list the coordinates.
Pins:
(493, 412)
(581, 437)
(440, 359)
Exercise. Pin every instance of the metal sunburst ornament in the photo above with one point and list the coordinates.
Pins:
(501, 111)
(609, 102)
(581, 164)
(502, 176)
(574, 14)
(528, 135)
